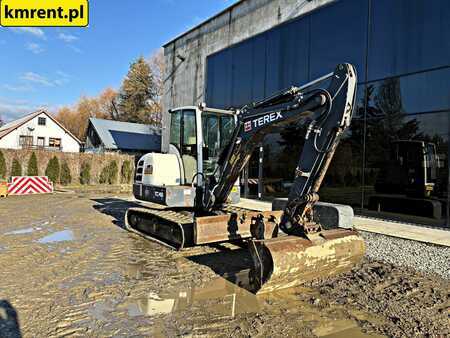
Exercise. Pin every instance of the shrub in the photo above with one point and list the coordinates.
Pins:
(126, 172)
(53, 170)
(66, 177)
(85, 173)
(2, 166)
(32, 169)
(109, 173)
(16, 168)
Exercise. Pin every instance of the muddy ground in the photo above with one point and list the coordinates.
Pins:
(69, 269)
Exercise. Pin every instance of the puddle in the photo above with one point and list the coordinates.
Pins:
(60, 236)
(23, 231)
(222, 300)
(219, 297)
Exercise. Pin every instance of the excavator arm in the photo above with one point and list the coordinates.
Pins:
(326, 114)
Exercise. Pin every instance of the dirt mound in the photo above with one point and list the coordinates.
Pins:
(402, 301)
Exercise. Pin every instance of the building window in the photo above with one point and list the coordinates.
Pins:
(41, 121)
(25, 140)
(54, 142)
(41, 142)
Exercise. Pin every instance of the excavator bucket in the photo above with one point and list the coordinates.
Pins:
(289, 261)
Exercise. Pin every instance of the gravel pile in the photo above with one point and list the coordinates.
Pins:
(427, 258)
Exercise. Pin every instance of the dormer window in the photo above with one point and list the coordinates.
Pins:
(42, 121)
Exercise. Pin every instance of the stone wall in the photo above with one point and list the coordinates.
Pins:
(74, 160)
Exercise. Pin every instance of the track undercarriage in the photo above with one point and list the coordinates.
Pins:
(182, 228)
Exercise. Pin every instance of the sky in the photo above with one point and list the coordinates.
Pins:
(52, 67)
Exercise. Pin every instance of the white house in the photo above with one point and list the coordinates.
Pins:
(38, 130)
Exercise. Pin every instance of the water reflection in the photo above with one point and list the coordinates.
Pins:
(214, 306)
(59, 236)
(219, 298)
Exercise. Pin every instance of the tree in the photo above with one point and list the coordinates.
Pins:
(106, 103)
(85, 173)
(126, 172)
(1, 121)
(109, 173)
(53, 170)
(2, 165)
(16, 168)
(138, 94)
(66, 177)
(75, 118)
(32, 169)
(157, 67)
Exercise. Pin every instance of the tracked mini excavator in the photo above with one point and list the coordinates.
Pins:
(187, 194)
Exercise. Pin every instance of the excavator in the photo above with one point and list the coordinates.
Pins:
(188, 196)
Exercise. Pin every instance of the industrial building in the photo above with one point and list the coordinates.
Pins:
(393, 164)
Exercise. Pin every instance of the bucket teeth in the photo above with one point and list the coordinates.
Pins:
(290, 261)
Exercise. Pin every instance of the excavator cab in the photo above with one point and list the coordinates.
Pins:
(199, 135)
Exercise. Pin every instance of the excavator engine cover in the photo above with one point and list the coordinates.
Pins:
(289, 261)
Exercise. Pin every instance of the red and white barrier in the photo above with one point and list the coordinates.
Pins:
(25, 185)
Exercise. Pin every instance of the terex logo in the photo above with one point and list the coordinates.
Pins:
(260, 121)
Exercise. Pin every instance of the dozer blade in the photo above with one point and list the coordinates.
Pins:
(290, 261)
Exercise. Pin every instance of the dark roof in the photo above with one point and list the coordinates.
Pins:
(116, 135)
(13, 125)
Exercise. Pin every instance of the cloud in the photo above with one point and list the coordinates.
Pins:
(75, 49)
(36, 78)
(62, 74)
(67, 37)
(40, 79)
(37, 32)
(13, 109)
(18, 88)
(31, 77)
(34, 48)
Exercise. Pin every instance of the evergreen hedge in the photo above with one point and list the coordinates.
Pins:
(2, 165)
(108, 174)
(32, 169)
(65, 177)
(16, 168)
(85, 173)
(53, 170)
(126, 172)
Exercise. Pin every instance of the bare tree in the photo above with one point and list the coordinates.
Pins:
(75, 118)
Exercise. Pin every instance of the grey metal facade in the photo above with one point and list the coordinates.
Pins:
(401, 49)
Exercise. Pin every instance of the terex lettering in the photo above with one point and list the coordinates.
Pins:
(261, 121)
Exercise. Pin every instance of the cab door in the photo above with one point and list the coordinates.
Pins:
(183, 135)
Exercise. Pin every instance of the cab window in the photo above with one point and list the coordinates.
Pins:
(227, 125)
(189, 134)
(175, 128)
(211, 134)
